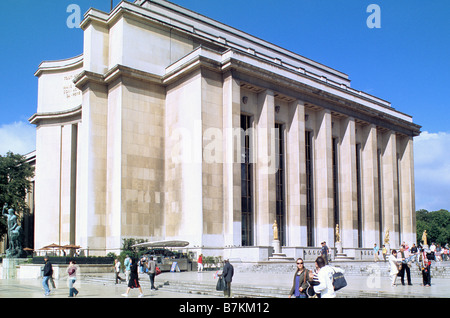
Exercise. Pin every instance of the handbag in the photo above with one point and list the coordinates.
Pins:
(339, 281)
(221, 285)
(157, 271)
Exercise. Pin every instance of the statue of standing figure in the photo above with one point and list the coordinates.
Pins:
(15, 233)
(424, 238)
(275, 230)
(386, 237)
(337, 234)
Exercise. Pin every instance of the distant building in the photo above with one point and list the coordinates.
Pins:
(172, 125)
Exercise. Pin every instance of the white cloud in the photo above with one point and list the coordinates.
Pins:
(432, 171)
(18, 137)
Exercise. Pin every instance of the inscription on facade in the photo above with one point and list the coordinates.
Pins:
(69, 89)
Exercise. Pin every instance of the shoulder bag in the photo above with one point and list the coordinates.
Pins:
(339, 281)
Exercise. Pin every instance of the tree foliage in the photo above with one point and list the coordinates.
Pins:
(437, 224)
(15, 175)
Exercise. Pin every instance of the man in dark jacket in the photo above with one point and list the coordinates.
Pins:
(228, 272)
(48, 272)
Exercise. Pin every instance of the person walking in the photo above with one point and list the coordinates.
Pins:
(48, 272)
(127, 264)
(375, 252)
(72, 271)
(325, 276)
(134, 279)
(300, 283)
(324, 252)
(152, 272)
(200, 263)
(117, 266)
(227, 273)
(384, 252)
(393, 266)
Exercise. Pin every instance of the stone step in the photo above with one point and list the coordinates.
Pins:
(238, 291)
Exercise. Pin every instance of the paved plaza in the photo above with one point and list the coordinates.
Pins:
(245, 285)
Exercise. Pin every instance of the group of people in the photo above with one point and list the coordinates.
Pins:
(47, 276)
(131, 271)
(314, 283)
(147, 265)
(400, 262)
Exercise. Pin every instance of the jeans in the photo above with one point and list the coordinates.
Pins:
(45, 284)
(72, 290)
(152, 280)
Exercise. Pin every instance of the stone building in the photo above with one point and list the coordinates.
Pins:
(172, 125)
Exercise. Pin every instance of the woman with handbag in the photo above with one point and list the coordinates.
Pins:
(300, 283)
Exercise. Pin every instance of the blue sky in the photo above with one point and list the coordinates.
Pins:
(406, 61)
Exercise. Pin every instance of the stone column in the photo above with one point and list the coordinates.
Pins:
(296, 175)
(347, 180)
(323, 178)
(390, 186)
(232, 161)
(91, 210)
(69, 135)
(407, 194)
(265, 208)
(369, 168)
(183, 161)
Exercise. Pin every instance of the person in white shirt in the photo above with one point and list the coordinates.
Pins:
(393, 266)
(325, 276)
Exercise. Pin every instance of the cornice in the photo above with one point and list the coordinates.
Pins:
(60, 65)
(70, 115)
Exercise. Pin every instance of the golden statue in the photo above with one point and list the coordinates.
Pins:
(386, 237)
(338, 235)
(275, 231)
(424, 237)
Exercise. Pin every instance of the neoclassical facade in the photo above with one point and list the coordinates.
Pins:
(173, 126)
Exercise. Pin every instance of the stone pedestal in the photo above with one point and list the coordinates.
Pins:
(9, 265)
(340, 255)
(339, 247)
(388, 248)
(277, 255)
(276, 246)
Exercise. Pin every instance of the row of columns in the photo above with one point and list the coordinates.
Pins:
(390, 152)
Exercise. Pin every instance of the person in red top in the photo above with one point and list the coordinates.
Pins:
(426, 270)
(200, 263)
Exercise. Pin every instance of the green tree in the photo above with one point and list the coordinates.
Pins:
(437, 225)
(15, 175)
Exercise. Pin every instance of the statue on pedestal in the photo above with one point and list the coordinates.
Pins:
(275, 231)
(337, 240)
(15, 234)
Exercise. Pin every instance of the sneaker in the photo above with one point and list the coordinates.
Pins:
(124, 295)
(141, 295)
